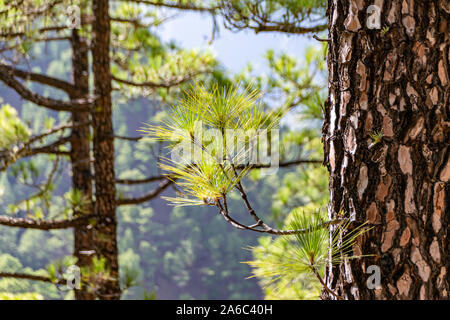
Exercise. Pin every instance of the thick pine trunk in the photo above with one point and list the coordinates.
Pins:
(105, 191)
(80, 159)
(395, 81)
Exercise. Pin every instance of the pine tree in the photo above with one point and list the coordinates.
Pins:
(89, 29)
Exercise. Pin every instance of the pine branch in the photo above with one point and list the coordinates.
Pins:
(44, 188)
(282, 164)
(136, 23)
(324, 285)
(48, 39)
(38, 10)
(26, 151)
(175, 81)
(128, 138)
(51, 148)
(255, 17)
(56, 130)
(287, 29)
(151, 195)
(7, 35)
(240, 167)
(43, 79)
(223, 210)
(43, 225)
(176, 5)
(25, 276)
(7, 77)
(141, 181)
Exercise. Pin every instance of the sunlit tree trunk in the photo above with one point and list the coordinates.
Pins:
(394, 81)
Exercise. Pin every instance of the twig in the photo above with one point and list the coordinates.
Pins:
(320, 39)
(33, 277)
(316, 273)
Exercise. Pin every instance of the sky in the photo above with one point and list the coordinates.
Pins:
(233, 49)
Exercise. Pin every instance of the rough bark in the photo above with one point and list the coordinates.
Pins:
(395, 81)
(105, 191)
(80, 159)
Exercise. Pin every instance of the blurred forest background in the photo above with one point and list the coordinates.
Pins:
(181, 252)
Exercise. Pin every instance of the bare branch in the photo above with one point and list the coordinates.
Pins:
(48, 39)
(266, 228)
(320, 39)
(25, 276)
(318, 276)
(136, 23)
(51, 148)
(140, 181)
(57, 105)
(40, 31)
(43, 225)
(284, 164)
(174, 81)
(223, 210)
(56, 130)
(151, 195)
(8, 156)
(43, 79)
(128, 138)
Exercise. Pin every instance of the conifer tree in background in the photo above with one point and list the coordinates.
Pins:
(93, 197)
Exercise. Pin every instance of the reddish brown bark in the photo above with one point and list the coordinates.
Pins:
(395, 81)
(80, 159)
(105, 190)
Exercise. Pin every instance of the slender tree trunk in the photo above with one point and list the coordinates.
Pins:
(393, 80)
(105, 191)
(80, 159)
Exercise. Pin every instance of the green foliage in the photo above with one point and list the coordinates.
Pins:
(17, 289)
(129, 269)
(211, 173)
(99, 265)
(21, 296)
(376, 137)
(278, 273)
(276, 15)
(149, 295)
(57, 268)
(283, 262)
(76, 202)
(295, 87)
(129, 278)
(12, 129)
(147, 65)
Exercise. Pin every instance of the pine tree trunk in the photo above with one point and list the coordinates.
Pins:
(105, 191)
(80, 159)
(392, 80)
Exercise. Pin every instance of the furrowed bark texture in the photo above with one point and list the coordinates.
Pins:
(84, 236)
(105, 191)
(392, 80)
